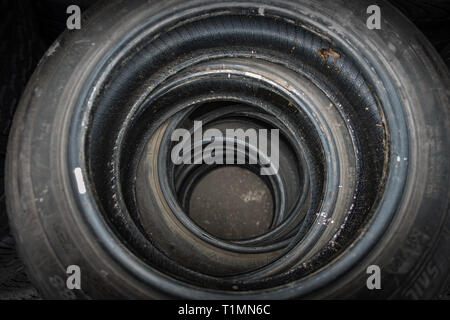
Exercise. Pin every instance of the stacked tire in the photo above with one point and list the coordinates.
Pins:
(364, 112)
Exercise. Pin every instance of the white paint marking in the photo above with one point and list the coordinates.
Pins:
(52, 49)
(80, 182)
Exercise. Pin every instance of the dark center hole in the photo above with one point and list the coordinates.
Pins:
(232, 203)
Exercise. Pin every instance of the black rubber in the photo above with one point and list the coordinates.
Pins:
(101, 100)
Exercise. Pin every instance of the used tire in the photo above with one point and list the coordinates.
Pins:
(363, 113)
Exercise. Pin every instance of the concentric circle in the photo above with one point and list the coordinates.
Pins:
(236, 69)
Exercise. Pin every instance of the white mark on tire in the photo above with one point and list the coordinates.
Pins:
(80, 181)
(261, 11)
(52, 49)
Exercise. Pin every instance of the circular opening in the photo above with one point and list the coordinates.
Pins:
(232, 203)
